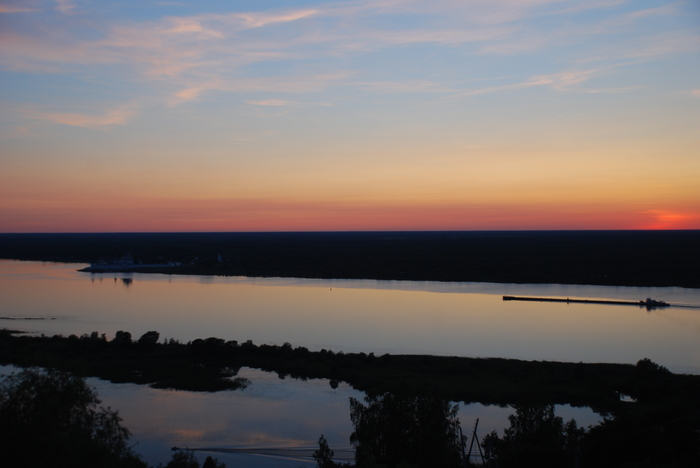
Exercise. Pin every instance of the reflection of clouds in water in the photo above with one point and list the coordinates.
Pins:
(283, 413)
(269, 413)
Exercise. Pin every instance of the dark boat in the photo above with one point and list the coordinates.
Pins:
(649, 303)
(653, 304)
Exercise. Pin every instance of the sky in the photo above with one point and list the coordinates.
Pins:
(304, 115)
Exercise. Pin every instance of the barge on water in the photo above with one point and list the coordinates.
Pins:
(649, 303)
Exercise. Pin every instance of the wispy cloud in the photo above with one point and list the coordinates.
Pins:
(560, 81)
(624, 89)
(197, 54)
(17, 132)
(285, 103)
(65, 6)
(257, 20)
(271, 102)
(298, 84)
(15, 9)
(190, 25)
(116, 116)
(184, 95)
(406, 86)
(651, 46)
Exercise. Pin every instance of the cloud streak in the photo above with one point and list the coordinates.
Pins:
(15, 9)
(117, 116)
(192, 56)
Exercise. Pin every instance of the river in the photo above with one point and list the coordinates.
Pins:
(463, 319)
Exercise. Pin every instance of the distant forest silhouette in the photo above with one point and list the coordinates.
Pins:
(624, 258)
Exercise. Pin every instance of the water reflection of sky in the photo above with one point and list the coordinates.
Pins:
(270, 413)
(464, 319)
(467, 319)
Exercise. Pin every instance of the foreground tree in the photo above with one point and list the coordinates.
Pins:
(186, 459)
(406, 431)
(324, 454)
(536, 437)
(52, 419)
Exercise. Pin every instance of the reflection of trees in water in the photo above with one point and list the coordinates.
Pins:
(406, 431)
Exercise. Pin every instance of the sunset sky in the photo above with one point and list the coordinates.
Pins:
(138, 115)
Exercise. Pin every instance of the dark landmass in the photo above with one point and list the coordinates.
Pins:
(407, 412)
(623, 258)
(210, 364)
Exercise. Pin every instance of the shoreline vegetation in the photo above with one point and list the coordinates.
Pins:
(612, 258)
(651, 416)
(212, 364)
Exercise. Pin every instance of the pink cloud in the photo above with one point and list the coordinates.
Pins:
(257, 20)
(270, 102)
(15, 9)
(65, 6)
(118, 116)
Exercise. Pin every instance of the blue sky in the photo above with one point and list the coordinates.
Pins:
(356, 114)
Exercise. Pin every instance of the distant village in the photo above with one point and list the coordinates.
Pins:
(127, 263)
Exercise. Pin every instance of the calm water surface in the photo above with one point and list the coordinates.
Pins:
(270, 412)
(465, 319)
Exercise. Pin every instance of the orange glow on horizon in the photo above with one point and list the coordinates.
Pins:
(172, 215)
(666, 220)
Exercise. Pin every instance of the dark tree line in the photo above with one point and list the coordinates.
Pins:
(405, 432)
(52, 419)
(632, 258)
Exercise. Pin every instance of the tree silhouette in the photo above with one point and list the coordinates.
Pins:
(406, 431)
(183, 459)
(536, 437)
(51, 418)
(324, 454)
(149, 339)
